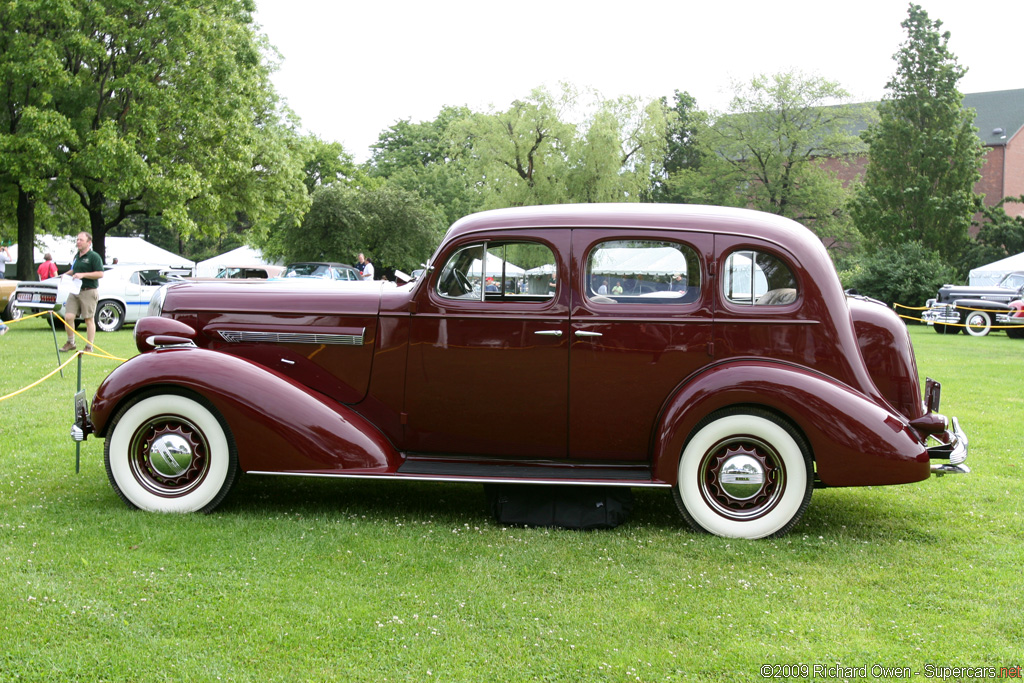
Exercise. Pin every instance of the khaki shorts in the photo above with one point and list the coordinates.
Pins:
(81, 305)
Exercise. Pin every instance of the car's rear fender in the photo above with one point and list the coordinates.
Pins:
(278, 425)
(854, 440)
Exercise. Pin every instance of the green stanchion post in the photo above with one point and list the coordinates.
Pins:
(78, 396)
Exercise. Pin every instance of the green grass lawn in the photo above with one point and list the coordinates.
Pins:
(313, 580)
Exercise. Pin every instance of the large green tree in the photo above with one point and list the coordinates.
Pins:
(769, 151)
(32, 35)
(925, 153)
(161, 109)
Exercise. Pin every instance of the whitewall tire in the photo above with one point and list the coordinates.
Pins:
(170, 452)
(744, 474)
(978, 323)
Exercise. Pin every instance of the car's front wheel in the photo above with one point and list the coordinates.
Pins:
(109, 316)
(978, 323)
(744, 474)
(170, 452)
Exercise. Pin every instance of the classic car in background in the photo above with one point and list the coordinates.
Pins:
(975, 309)
(242, 273)
(707, 351)
(8, 311)
(124, 294)
(322, 271)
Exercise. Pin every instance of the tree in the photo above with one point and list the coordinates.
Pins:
(393, 226)
(769, 151)
(174, 115)
(416, 145)
(519, 156)
(999, 236)
(907, 274)
(31, 132)
(325, 163)
(682, 153)
(425, 158)
(925, 153)
(551, 150)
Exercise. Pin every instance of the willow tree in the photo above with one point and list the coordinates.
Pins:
(548, 149)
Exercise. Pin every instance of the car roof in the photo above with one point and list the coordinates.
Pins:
(634, 215)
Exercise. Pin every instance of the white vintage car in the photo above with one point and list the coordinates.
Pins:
(124, 294)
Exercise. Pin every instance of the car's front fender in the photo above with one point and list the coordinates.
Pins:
(854, 440)
(278, 425)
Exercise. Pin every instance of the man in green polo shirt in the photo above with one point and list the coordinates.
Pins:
(88, 267)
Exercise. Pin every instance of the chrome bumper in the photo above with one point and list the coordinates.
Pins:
(944, 314)
(953, 447)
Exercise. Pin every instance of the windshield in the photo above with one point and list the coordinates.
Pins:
(1013, 281)
(307, 270)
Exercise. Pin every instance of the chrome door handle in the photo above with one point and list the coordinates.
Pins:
(549, 333)
(582, 333)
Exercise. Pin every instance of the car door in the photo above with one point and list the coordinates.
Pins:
(139, 290)
(641, 323)
(487, 370)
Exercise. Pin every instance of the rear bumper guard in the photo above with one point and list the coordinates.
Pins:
(952, 447)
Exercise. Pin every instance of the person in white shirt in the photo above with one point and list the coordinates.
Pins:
(365, 267)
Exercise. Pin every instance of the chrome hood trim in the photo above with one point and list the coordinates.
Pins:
(242, 336)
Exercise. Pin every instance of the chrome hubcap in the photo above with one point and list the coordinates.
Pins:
(169, 456)
(742, 478)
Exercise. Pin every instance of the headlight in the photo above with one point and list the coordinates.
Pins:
(156, 304)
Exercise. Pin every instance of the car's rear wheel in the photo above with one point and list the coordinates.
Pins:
(744, 474)
(978, 323)
(170, 452)
(109, 316)
(11, 312)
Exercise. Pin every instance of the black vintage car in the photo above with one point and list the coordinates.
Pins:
(975, 309)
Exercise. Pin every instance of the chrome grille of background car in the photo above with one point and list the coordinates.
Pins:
(236, 337)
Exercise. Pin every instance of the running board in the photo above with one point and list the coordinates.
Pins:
(418, 469)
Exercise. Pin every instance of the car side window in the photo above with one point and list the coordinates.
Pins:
(643, 271)
(500, 271)
(756, 278)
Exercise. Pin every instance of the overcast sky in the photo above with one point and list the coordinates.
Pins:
(352, 69)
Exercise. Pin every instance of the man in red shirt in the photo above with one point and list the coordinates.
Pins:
(47, 268)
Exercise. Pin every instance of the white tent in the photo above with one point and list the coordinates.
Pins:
(242, 256)
(637, 261)
(496, 267)
(991, 274)
(127, 250)
(61, 248)
(138, 250)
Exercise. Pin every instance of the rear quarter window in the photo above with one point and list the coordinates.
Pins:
(757, 278)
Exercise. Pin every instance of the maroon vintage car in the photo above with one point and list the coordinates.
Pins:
(704, 350)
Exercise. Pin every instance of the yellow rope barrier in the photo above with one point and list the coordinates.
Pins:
(958, 307)
(60, 367)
